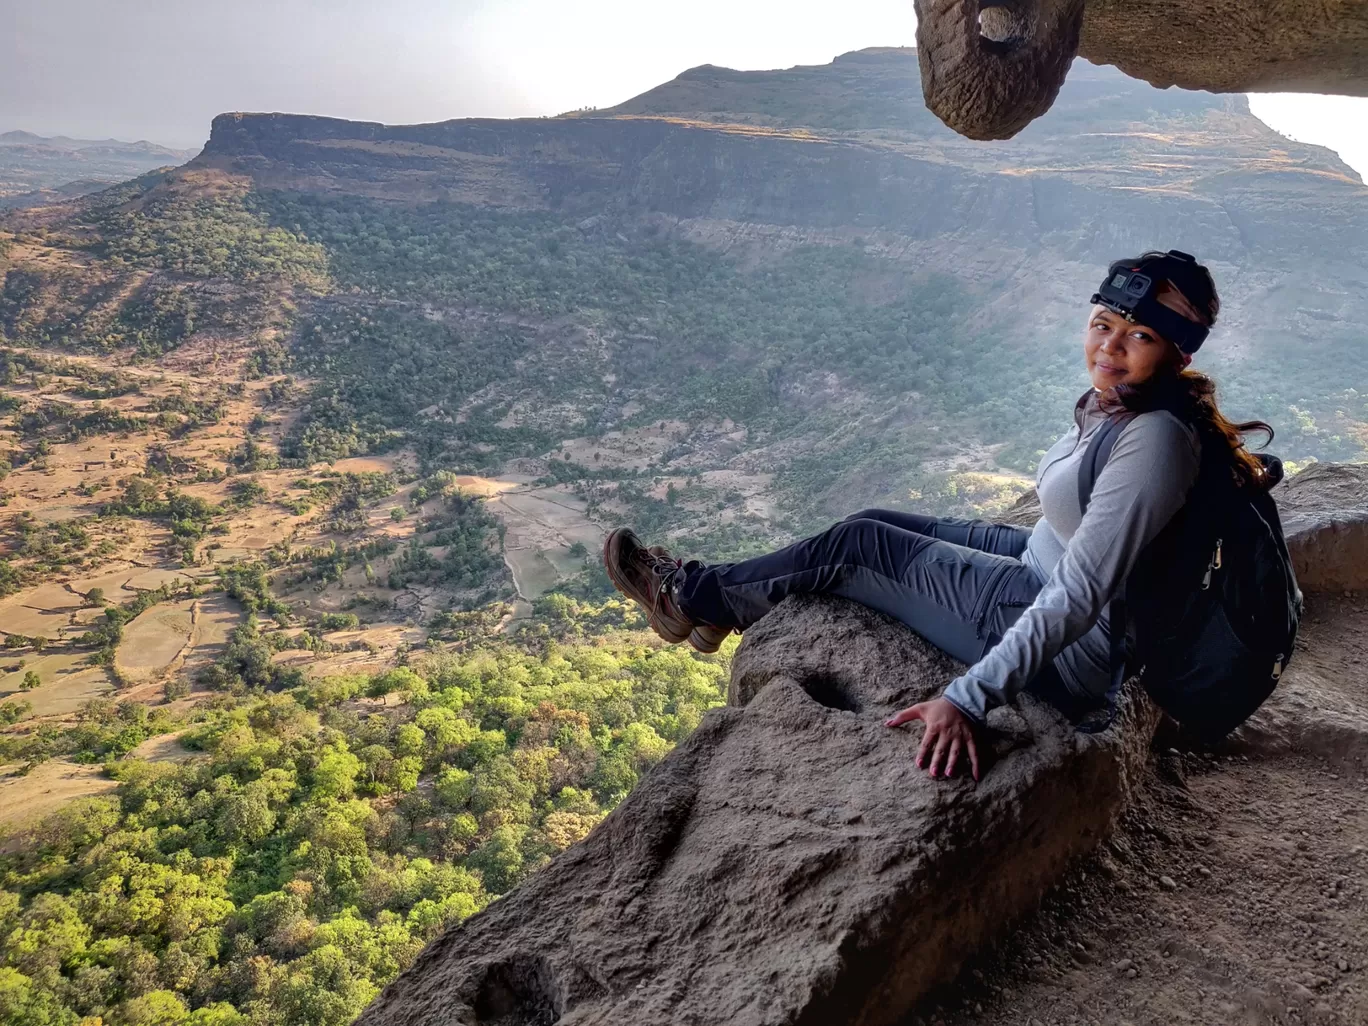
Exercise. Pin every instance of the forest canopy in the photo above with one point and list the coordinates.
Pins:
(323, 834)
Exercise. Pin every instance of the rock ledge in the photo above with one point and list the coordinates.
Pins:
(788, 864)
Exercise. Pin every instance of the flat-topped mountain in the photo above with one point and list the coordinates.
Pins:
(867, 300)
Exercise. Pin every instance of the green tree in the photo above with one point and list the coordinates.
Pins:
(11, 578)
(245, 817)
(335, 774)
(382, 685)
(24, 1004)
(500, 859)
(31, 681)
(453, 787)
(50, 933)
(158, 1008)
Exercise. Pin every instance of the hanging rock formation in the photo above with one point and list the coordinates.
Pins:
(990, 66)
(990, 70)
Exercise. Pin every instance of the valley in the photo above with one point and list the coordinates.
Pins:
(308, 446)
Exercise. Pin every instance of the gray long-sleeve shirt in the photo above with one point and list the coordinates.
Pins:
(1084, 559)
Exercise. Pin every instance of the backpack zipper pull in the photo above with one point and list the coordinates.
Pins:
(1212, 566)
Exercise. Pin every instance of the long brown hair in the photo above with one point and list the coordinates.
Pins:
(1191, 395)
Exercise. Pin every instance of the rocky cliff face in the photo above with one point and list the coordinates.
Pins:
(847, 146)
(758, 163)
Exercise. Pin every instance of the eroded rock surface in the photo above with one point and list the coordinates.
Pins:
(1324, 510)
(991, 66)
(788, 863)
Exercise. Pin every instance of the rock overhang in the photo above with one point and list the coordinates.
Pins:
(990, 67)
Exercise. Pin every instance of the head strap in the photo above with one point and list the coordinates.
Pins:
(1132, 287)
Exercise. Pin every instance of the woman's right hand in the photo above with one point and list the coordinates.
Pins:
(948, 734)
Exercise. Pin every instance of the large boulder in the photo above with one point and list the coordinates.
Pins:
(1324, 511)
(787, 863)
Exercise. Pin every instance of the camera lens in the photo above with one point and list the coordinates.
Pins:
(1137, 285)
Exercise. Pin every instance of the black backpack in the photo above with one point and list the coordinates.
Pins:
(1214, 599)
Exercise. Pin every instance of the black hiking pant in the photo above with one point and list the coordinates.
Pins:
(958, 583)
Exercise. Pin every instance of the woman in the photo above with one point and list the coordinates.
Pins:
(1021, 607)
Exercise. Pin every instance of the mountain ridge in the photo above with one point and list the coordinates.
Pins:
(20, 137)
(37, 170)
(1115, 167)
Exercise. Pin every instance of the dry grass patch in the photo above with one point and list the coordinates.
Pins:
(164, 748)
(30, 796)
(151, 580)
(366, 465)
(44, 611)
(68, 681)
(153, 640)
(542, 525)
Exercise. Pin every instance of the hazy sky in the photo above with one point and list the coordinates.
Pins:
(161, 69)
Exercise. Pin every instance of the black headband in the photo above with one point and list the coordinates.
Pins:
(1131, 289)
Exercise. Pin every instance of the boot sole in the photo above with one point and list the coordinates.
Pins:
(612, 553)
(707, 638)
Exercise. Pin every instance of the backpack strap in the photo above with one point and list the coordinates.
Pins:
(1098, 452)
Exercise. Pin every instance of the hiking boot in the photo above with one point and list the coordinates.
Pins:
(707, 638)
(644, 575)
(704, 637)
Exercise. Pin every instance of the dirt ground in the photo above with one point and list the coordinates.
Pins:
(25, 797)
(45, 788)
(68, 681)
(1235, 892)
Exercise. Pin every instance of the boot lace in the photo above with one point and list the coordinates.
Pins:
(663, 570)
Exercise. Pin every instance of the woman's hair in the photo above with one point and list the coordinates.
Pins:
(1191, 395)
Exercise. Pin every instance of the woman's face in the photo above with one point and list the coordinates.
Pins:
(1119, 352)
